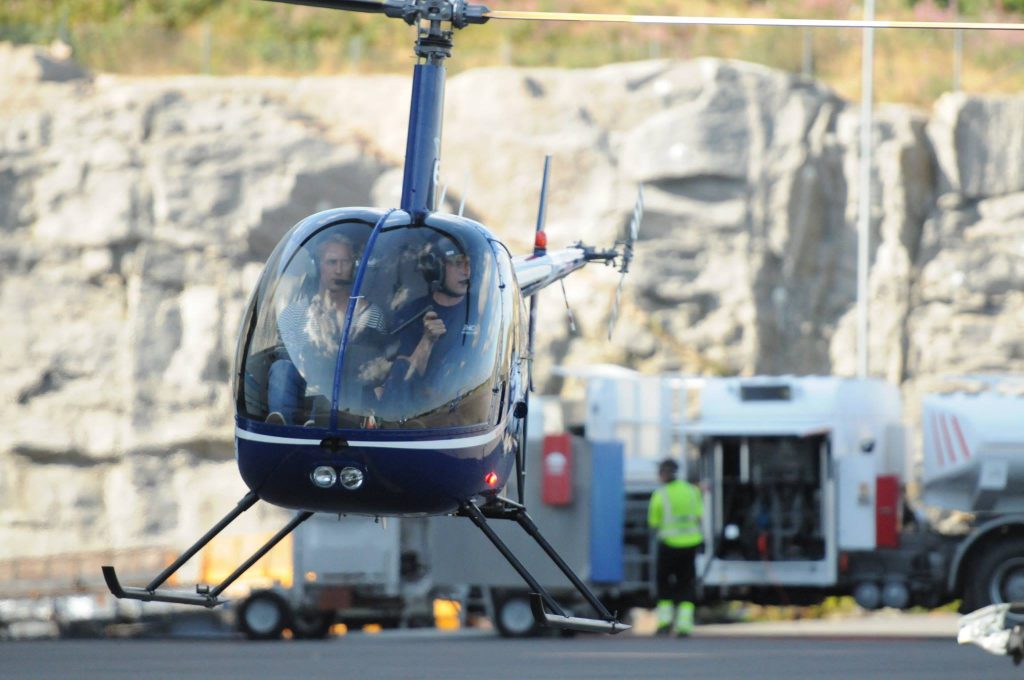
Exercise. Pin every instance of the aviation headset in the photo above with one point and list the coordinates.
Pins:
(432, 258)
(340, 239)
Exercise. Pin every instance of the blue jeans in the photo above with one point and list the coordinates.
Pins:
(286, 391)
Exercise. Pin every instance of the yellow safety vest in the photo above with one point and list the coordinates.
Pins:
(675, 511)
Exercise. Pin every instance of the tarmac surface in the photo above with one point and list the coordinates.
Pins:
(870, 647)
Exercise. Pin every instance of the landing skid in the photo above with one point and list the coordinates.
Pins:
(204, 595)
(546, 611)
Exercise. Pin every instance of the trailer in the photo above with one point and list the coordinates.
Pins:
(346, 570)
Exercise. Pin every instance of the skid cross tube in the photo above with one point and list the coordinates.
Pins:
(502, 508)
(204, 596)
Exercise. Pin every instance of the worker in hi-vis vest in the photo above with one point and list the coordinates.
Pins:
(675, 512)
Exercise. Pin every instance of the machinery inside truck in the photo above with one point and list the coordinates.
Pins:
(767, 496)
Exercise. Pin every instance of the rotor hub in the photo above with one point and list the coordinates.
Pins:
(436, 21)
(458, 13)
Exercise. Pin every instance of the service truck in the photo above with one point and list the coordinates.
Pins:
(805, 484)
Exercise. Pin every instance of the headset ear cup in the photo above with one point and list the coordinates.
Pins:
(431, 268)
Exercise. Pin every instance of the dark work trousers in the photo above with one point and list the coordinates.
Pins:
(677, 574)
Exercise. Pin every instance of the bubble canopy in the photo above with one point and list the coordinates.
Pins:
(365, 319)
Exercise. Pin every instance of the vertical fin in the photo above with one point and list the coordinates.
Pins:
(540, 247)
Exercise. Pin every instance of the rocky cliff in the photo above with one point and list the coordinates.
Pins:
(135, 215)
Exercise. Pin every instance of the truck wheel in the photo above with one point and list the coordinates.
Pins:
(514, 616)
(263, 616)
(312, 625)
(996, 576)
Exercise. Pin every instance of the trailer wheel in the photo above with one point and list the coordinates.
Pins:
(263, 616)
(312, 625)
(996, 576)
(514, 616)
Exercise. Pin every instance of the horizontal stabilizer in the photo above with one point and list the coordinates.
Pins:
(110, 576)
(573, 622)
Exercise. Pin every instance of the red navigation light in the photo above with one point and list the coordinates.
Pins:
(491, 479)
(541, 240)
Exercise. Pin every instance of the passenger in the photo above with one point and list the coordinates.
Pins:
(423, 345)
(311, 330)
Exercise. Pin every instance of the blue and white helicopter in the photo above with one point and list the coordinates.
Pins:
(383, 361)
(382, 366)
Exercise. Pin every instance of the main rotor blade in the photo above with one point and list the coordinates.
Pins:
(371, 6)
(734, 21)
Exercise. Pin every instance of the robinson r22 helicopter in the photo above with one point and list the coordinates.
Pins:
(382, 363)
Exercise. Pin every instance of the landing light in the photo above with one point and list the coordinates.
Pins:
(491, 479)
(324, 476)
(351, 478)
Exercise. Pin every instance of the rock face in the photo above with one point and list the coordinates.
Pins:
(136, 213)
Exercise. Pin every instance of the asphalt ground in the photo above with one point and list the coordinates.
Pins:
(428, 654)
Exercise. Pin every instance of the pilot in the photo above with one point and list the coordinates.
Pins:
(424, 344)
(311, 329)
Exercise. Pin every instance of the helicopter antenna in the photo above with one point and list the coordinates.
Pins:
(440, 201)
(467, 180)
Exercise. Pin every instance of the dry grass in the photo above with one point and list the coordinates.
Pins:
(911, 67)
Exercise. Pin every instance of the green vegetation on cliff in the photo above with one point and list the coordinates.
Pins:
(256, 37)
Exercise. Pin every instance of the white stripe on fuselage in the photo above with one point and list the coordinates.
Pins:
(460, 443)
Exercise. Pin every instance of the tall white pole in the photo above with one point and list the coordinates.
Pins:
(864, 207)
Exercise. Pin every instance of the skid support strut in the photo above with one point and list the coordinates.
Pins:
(540, 599)
(205, 596)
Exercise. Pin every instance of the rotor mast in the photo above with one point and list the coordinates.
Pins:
(435, 21)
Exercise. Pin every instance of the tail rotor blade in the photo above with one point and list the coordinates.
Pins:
(627, 255)
(613, 318)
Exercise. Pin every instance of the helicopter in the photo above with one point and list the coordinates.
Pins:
(383, 360)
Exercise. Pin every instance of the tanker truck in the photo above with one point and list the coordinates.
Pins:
(805, 482)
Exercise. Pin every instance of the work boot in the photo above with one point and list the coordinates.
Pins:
(664, 614)
(684, 619)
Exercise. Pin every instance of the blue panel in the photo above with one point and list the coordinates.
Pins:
(607, 512)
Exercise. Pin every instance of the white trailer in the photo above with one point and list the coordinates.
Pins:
(350, 570)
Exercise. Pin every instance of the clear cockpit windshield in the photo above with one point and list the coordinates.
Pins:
(403, 332)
